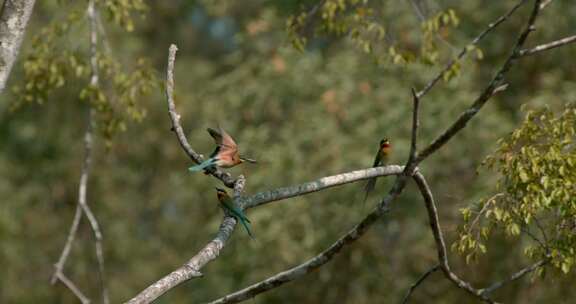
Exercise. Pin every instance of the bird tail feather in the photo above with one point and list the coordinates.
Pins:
(207, 163)
(241, 217)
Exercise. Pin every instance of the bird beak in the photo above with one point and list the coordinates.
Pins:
(252, 161)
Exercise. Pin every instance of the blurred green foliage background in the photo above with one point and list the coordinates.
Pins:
(302, 114)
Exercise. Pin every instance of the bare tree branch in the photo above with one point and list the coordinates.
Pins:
(88, 144)
(59, 266)
(439, 239)
(415, 126)
(354, 234)
(515, 276)
(493, 87)
(441, 248)
(324, 257)
(177, 128)
(192, 268)
(547, 46)
(423, 277)
(70, 285)
(323, 183)
(545, 3)
(212, 249)
(14, 16)
(466, 49)
(82, 205)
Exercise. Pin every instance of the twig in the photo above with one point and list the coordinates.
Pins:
(59, 266)
(192, 268)
(494, 86)
(467, 48)
(324, 257)
(82, 206)
(415, 125)
(266, 197)
(441, 248)
(310, 18)
(70, 285)
(547, 46)
(177, 128)
(515, 276)
(484, 208)
(544, 4)
(421, 17)
(439, 239)
(418, 282)
(88, 144)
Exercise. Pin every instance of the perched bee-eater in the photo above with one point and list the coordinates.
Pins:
(227, 203)
(225, 155)
(381, 157)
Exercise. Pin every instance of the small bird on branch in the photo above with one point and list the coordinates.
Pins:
(384, 150)
(228, 204)
(226, 154)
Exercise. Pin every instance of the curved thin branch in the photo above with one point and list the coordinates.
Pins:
(88, 144)
(492, 88)
(14, 16)
(422, 278)
(70, 285)
(177, 128)
(467, 48)
(82, 206)
(192, 268)
(439, 239)
(515, 276)
(59, 266)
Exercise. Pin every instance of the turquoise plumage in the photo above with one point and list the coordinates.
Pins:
(227, 203)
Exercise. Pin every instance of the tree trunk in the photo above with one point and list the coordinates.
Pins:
(14, 16)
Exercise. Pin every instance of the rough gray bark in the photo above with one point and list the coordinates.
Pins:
(14, 16)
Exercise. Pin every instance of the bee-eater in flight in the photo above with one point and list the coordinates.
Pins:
(225, 155)
(227, 203)
(381, 157)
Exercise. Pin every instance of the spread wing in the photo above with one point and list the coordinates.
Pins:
(225, 144)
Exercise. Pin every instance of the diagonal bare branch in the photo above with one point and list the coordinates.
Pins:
(515, 276)
(82, 206)
(467, 48)
(439, 239)
(177, 127)
(324, 257)
(493, 87)
(70, 285)
(59, 266)
(192, 268)
(422, 278)
(548, 46)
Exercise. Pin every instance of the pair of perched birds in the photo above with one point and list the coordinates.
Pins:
(227, 155)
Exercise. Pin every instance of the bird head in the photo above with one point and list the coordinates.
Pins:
(221, 193)
(384, 143)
